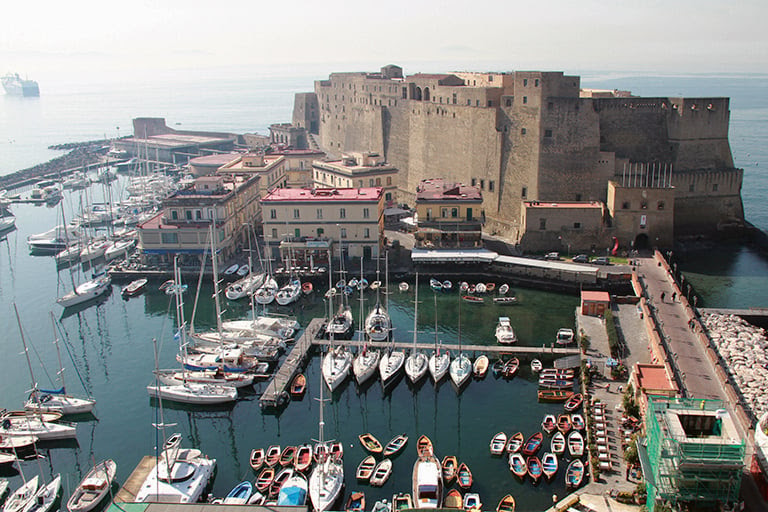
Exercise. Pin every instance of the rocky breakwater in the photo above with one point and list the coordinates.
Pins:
(80, 154)
(743, 348)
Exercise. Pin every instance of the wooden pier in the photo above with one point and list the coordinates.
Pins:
(132, 485)
(490, 349)
(276, 392)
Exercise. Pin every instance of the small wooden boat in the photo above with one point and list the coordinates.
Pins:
(549, 423)
(453, 499)
(549, 464)
(355, 502)
(472, 501)
(280, 479)
(489, 287)
(93, 488)
(381, 473)
(447, 286)
(532, 444)
(515, 442)
(298, 386)
(504, 301)
(273, 455)
(557, 443)
(46, 416)
(577, 421)
(403, 287)
(303, 458)
(574, 474)
(503, 289)
(370, 443)
(243, 270)
(574, 402)
(554, 395)
(547, 383)
(517, 465)
(464, 476)
(396, 444)
(507, 503)
(240, 494)
(265, 478)
(564, 423)
(510, 368)
(536, 366)
(319, 452)
(401, 501)
(287, 456)
(256, 498)
(498, 367)
(534, 468)
(498, 443)
(435, 284)
(306, 288)
(480, 366)
(473, 299)
(231, 269)
(337, 451)
(424, 447)
(167, 284)
(450, 465)
(257, 458)
(365, 468)
(557, 373)
(576, 444)
(134, 287)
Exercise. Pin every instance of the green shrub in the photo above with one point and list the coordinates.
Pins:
(613, 337)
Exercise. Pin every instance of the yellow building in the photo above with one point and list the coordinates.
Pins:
(448, 215)
(358, 170)
(308, 221)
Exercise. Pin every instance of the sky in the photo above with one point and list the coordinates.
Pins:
(114, 40)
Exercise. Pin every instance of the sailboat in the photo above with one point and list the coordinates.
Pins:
(46, 496)
(461, 367)
(188, 392)
(327, 478)
(438, 362)
(265, 294)
(248, 284)
(367, 360)
(417, 364)
(392, 360)
(57, 400)
(23, 496)
(342, 322)
(378, 323)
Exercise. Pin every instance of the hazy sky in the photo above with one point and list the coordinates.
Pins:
(110, 38)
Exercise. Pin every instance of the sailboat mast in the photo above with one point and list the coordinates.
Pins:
(214, 264)
(58, 353)
(26, 351)
(180, 323)
(415, 312)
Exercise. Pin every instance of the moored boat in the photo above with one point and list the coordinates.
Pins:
(574, 402)
(480, 366)
(517, 465)
(472, 501)
(507, 503)
(449, 467)
(564, 423)
(293, 491)
(553, 395)
(511, 368)
(515, 442)
(574, 474)
(257, 458)
(505, 335)
(564, 336)
(557, 443)
(453, 499)
(464, 476)
(401, 501)
(287, 455)
(381, 473)
(303, 458)
(472, 299)
(549, 464)
(424, 446)
(536, 366)
(134, 287)
(22, 497)
(355, 502)
(273, 455)
(504, 301)
(532, 444)
(365, 468)
(265, 479)
(298, 386)
(498, 443)
(396, 444)
(576, 444)
(427, 482)
(549, 423)
(534, 468)
(93, 488)
(370, 443)
(240, 494)
(577, 421)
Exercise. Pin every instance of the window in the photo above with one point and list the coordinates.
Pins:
(429, 213)
(536, 83)
(188, 214)
(454, 212)
(343, 213)
(522, 131)
(660, 205)
(169, 238)
(525, 100)
(343, 232)
(525, 192)
(389, 180)
(360, 183)
(525, 82)
(366, 213)
(297, 232)
(482, 184)
(547, 133)
(714, 187)
(319, 213)
(509, 102)
(274, 233)
(542, 224)
(378, 182)
(198, 214)
(454, 98)
(577, 225)
(296, 213)
(273, 214)
(644, 205)
(690, 187)
(221, 235)
(367, 233)
(370, 182)
(625, 205)
(474, 181)
(174, 215)
(444, 212)
(550, 105)
(490, 185)
(320, 232)
(388, 196)
(578, 197)
(490, 103)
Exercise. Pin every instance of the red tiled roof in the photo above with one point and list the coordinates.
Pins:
(324, 194)
(595, 296)
(556, 204)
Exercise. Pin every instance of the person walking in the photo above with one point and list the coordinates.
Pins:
(674, 294)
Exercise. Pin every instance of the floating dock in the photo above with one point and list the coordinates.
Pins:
(490, 349)
(130, 488)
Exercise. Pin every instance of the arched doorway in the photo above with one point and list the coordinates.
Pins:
(642, 242)
(426, 94)
(417, 94)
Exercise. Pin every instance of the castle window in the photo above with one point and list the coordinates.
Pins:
(378, 182)
(644, 205)
(429, 213)
(188, 214)
(405, 93)
(578, 197)
(525, 192)
(536, 83)
(547, 133)
(660, 205)
(482, 184)
(370, 182)
(522, 131)
(490, 78)
(297, 232)
(490, 185)
(474, 181)
(625, 205)
(477, 103)
(343, 232)
(454, 98)
(525, 82)
(714, 187)
(367, 233)
(389, 180)
(469, 103)
(444, 213)
(509, 102)
(388, 196)
(454, 212)
(525, 100)
(542, 224)
(174, 215)
(360, 183)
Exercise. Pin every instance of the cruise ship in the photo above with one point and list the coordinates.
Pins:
(17, 86)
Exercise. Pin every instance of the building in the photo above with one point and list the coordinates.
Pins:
(298, 165)
(562, 226)
(651, 380)
(288, 135)
(448, 215)
(229, 202)
(642, 213)
(692, 453)
(358, 170)
(594, 303)
(209, 164)
(759, 467)
(306, 222)
(531, 136)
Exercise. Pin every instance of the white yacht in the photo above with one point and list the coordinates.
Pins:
(365, 364)
(88, 290)
(180, 476)
(427, 483)
(416, 364)
(56, 239)
(505, 335)
(58, 401)
(336, 365)
(194, 393)
(245, 286)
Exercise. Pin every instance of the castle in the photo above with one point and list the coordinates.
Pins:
(532, 137)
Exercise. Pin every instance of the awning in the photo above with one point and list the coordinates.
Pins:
(456, 256)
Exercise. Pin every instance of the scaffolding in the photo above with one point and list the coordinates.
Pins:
(694, 452)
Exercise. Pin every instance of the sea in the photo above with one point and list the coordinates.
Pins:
(107, 349)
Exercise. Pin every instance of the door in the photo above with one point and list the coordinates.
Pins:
(469, 213)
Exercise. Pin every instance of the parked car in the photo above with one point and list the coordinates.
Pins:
(581, 258)
(602, 260)
(552, 256)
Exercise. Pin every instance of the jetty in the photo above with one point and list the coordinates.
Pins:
(490, 349)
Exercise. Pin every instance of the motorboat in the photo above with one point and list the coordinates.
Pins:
(93, 488)
(564, 336)
(427, 483)
(134, 287)
(94, 249)
(435, 284)
(86, 291)
(54, 240)
(505, 335)
(180, 476)
(293, 491)
(283, 327)
(119, 248)
(42, 430)
(472, 501)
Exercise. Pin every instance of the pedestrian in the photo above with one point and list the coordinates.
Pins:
(674, 294)
(662, 296)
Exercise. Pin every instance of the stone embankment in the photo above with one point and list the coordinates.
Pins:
(79, 155)
(743, 348)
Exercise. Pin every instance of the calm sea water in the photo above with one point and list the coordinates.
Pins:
(111, 344)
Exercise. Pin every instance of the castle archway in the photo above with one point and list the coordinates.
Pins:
(417, 94)
(642, 242)
(426, 94)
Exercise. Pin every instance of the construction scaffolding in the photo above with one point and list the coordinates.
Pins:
(693, 452)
